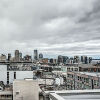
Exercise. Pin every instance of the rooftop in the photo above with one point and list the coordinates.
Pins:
(76, 95)
(90, 73)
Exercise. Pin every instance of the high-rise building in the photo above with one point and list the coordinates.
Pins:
(90, 59)
(51, 60)
(16, 55)
(60, 59)
(65, 58)
(40, 56)
(76, 59)
(35, 54)
(20, 56)
(82, 58)
(86, 60)
(9, 56)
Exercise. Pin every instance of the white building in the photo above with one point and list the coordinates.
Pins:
(8, 76)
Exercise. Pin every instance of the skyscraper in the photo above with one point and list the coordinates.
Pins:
(40, 56)
(60, 59)
(9, 56)
(16, 55)
(35, 54)
(20, 56)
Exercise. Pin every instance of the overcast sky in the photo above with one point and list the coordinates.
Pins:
(67, 27)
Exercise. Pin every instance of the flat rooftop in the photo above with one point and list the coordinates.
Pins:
(90, 73)
(76, 95)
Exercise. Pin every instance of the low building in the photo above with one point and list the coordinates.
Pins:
(8, 76)
(6, 95)
(83, 80)
(89, 68)
(62, 70)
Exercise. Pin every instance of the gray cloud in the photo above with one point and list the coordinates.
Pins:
(50, 26)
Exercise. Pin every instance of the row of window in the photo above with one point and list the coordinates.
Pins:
(8, 77)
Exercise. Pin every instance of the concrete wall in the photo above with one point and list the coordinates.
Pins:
(25, 90)
(3, 73)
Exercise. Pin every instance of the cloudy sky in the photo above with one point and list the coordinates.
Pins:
(67, 27)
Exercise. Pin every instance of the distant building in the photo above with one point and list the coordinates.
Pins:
(9, 56)
(17, 56)
(35, 54)
(71, 60)
(76, 59)
(40, 56)
(20, 56)
(51, 60)
(45, 60)
(83, 80)
(60, 59)
(90, 59)
(84, 59)
(55, 61)
(89, 68)
(3, 57)
(27, 58)
(65, 58)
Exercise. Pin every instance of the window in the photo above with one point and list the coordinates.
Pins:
(17, 93)
(7, 77)
(14, 75)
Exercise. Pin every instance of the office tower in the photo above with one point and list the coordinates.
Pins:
(82, 58)
(71, 60)
(76, 59)
(86, 60)
(60, 59)
(35, 55)
(40, 56)
(16, 55)
(9, 56)
(20, 56)
(65, 58)
(55, 61)
(51, 60)
(90, 59)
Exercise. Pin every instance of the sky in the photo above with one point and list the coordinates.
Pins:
(54, 27)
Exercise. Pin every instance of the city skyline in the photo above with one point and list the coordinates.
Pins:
(54, 27)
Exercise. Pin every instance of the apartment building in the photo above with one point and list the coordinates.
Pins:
(62, 70)
(82, 80)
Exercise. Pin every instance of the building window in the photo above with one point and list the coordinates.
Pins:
(17, 93)
(7, 77)
(14, 75)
